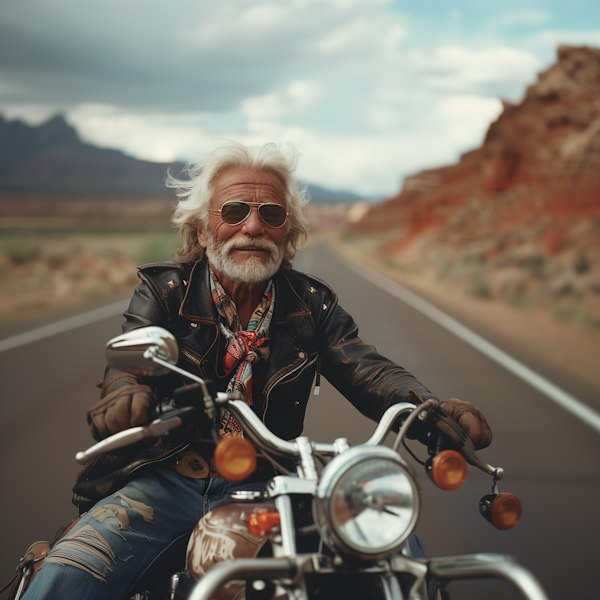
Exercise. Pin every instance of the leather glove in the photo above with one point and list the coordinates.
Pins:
(471, 419)
(125, 407)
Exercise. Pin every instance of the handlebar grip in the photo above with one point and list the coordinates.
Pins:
(129, 436)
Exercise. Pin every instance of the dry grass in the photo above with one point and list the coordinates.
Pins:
(45, 272)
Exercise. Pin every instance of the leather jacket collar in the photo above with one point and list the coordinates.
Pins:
(198, 304)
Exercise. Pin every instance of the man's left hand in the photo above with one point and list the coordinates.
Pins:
(471, 419)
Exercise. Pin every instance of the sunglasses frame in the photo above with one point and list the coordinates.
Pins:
(251, 204)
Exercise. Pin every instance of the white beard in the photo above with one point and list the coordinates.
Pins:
(250, 271)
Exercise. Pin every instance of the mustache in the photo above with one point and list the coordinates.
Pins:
(250, 244)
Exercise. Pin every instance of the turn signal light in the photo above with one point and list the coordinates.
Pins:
(235, 458)
(503, 511)
(262, 522)
(448, 469)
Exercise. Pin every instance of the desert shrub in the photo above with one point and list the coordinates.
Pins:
(481, 289)
(20, 250)
(582, 264)
(157, 249)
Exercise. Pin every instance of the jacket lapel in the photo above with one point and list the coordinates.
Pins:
(292, 333)
(203, 347)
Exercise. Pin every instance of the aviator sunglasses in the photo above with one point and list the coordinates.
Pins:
(236, 212)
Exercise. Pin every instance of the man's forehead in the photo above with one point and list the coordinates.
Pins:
(238, 182)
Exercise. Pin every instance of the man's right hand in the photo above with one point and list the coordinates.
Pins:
(125, 407)
(471, 419)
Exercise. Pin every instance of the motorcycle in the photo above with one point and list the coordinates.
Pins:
(336, 523)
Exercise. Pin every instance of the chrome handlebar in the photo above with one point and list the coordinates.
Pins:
(264, 439)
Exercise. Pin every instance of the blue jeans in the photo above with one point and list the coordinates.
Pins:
(123, 539)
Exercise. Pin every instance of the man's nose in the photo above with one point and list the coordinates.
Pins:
(253, 224)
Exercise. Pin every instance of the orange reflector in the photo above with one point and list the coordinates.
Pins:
(449, 470)
(506, 511)
(262, 522)
(235, 458)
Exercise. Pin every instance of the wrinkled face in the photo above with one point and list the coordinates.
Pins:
(251, 251)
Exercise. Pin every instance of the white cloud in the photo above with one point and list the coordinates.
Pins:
(363, 35)
(464, 119)
(296, 96)
(264, 16)
(490, 71)
(150, 136)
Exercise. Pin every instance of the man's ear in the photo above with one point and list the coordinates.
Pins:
(201, 236)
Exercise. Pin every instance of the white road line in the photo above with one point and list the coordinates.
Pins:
(86, 318)
(559, 396)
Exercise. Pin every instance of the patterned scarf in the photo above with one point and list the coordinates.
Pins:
(243, 346)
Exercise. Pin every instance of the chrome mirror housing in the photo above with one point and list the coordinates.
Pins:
(133, 351)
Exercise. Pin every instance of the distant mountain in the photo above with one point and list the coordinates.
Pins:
(51, 159)
(319, 194)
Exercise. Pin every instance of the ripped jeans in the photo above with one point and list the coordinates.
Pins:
(121, 541)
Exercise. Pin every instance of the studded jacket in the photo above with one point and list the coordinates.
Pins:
(310, 335)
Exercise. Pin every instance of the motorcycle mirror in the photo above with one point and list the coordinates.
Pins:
(133, 351)
(503, 511)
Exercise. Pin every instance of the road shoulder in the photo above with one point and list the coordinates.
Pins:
(535, 332)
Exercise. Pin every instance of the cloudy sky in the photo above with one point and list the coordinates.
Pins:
(368, 90)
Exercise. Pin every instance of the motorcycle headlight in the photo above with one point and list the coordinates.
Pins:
(367, 502)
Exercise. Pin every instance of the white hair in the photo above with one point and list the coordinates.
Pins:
(195, 193)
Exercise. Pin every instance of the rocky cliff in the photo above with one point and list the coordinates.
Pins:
(518, 218)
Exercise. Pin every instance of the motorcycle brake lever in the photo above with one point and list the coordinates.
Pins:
(453, 431)
(458, 436)
(127, 437)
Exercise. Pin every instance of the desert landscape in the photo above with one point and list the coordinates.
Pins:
(509, 236)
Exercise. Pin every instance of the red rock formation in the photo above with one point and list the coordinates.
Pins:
(520, 216)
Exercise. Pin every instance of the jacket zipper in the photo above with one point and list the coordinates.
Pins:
(190, 356)
(300, 367)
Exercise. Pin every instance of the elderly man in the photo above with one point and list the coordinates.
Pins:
(244, 319)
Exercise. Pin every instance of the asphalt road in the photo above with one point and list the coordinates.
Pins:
(550, 458)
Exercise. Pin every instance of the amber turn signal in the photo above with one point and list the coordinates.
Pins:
(503, 511)
(262, 522)
(448, 469)
(235, 458)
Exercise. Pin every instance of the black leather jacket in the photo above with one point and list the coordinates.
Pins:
(309, 332)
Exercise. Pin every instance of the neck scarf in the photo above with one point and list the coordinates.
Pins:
(244, 346)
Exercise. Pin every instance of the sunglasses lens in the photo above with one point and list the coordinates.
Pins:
(234, 212)
(273, 215)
